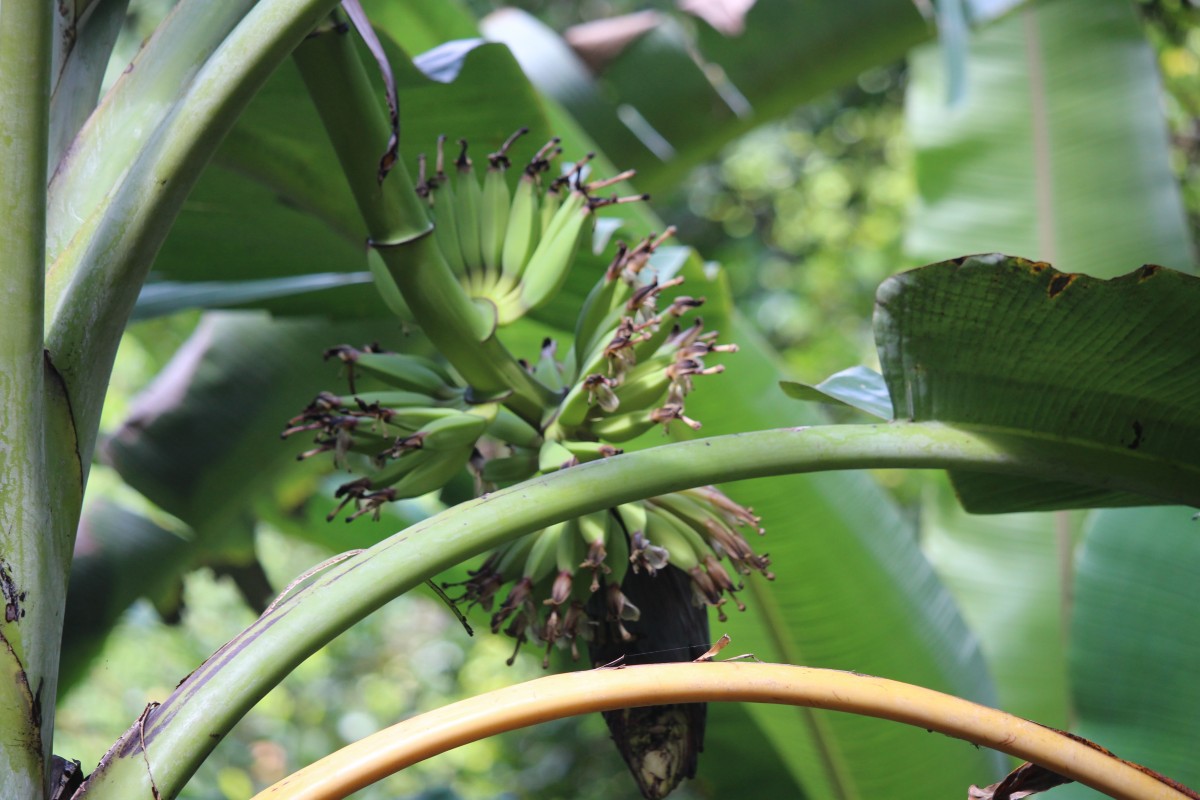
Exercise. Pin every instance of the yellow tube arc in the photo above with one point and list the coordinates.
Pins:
(556, 696)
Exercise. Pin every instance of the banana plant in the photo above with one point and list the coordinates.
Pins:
(120, 171)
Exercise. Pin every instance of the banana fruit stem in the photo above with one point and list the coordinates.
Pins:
(399, 227)
(557, 696)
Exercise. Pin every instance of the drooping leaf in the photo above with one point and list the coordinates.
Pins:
(1011, 344)
(858, 387)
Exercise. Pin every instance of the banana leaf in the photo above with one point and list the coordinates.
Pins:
(670, 98)
(1009, 344)
(1059, 150)
(1134, 634)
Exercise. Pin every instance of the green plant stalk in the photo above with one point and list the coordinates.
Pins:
(107, 268)
(87, 39)
(33, 596)
(225, 687)
(400, 229)
(585, 692)
(120, 128)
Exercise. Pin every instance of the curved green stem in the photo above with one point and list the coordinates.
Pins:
(226, 686)
(399, 227)
(102, 269)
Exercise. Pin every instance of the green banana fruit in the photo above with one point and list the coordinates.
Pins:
(440, 193)
(402, 370)
(666, 531)
(468, 199)
(622, 427)
(523, 231)
(551, 261)
(511, 469)
(543, 556)
(554, 456)
(493, 217)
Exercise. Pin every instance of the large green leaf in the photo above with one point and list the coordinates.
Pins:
(853, 592)
(1059, 150)
(1011, 576)
(671, 98)
(1135, 639)
(1009, 344)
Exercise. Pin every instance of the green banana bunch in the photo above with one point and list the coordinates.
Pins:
(512, 247)
(410, 439)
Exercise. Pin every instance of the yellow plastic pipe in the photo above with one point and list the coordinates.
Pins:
(557, 696)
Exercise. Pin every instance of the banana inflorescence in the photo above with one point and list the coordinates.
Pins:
(630, 367)
(512, 248)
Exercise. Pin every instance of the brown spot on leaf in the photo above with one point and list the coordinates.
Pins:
(1148, 271)
(1059, 283)
(1137, 436)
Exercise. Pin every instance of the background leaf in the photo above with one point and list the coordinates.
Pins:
(853, 592)
(1059, 151)
(1134, 632)
(672, 97)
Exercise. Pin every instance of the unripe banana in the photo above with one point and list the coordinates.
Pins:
(690, 517)
(665, 531)
(509, 428)
(548, 266)
(468, 197)
(551, 202)
(590, 451)
(408, 420)
(617, 545)
(441, 199)
(570, 547)
(599, 316)
(524, 229)
(387, 398)
(544, 554)
(633, 517)
(645, 385)
(453, 433)
(493, 218)
(511, 469)
(432, 471)
(548, 371)
(404, 371)
(622, 427)
(513, 556)
(553, 456)
(595, 527)
(689, 509)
